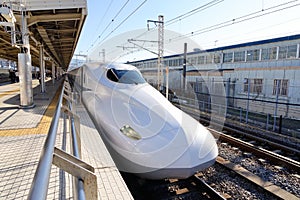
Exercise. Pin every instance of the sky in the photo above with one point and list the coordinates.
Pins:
(110, 23)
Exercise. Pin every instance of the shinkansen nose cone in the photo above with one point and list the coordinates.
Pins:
(171, 141)
(192, 150)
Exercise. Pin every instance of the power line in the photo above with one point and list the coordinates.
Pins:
(134, 11)
(239, 19)
(253, 15)
(194, 11)
(105, 13)
(113, 19)
(185, 15)
(182, 16)
(253, 31)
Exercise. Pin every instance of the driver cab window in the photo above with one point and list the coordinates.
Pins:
(125, 76)
(111, 75)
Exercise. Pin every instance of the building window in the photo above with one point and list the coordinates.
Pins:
(253, 55)
(201, 59)
(287, 52)
(257, 88)
(273, 53)
(180, 62)
(292, 51)
(265, 54)
(269, 53)
(239, 56)
(209, 58)
(282, 85)
(246, 84)
(217, 58)
(256, 85)
(188, 61)
(193, 60)
(228, 57)
(282, 52)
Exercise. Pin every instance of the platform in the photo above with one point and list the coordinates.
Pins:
(22, 136)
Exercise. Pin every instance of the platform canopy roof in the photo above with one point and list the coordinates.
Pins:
(55, 24)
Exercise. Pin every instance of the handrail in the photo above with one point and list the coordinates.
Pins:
(39, 186)
(85, 186)
(79, 182)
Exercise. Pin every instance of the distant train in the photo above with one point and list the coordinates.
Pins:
(145, 134)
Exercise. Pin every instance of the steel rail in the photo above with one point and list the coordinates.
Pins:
(232, 127)
(213, 194)
(40, 184)
(289, 163)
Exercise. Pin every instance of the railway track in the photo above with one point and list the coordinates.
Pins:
(170, 189)
(277, 152)
(255, 147)
(260, 152)
(255, 131)
(247, 185)
(224, 180)
(211, 193)
(235, 183)
(281, 141)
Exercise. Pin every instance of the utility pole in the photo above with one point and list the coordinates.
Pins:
(160, 60)
(184, 65)
(278, 83)
(103, 55)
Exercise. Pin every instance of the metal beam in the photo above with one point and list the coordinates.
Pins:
(47, 41)
(34, 5)
(57, 17)
(79, 169)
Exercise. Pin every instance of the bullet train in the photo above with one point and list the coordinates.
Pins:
(144, 133)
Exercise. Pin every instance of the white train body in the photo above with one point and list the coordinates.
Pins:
(143, 131)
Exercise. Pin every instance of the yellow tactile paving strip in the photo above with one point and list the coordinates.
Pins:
(42, 127)
(8, 92)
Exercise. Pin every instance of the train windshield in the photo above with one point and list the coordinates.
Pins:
(125, 76)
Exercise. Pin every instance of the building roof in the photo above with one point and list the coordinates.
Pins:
(55, 24)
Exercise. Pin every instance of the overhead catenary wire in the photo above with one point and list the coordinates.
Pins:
(185, 15)
(193, 12)
(113, 19)
(105, 13)
(253, 31)
(120, 24)
(237, 20)
(180, 17)
(243, 18)
(249, 16)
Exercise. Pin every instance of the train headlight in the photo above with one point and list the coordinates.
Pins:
(130, 132)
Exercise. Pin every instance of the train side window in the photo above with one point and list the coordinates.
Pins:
(111, 75)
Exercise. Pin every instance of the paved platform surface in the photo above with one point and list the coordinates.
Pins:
(22, 136)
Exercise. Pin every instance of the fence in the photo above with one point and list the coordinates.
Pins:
(271, 105)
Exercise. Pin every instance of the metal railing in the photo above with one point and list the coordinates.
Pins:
(85, 180)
